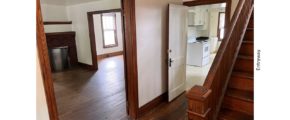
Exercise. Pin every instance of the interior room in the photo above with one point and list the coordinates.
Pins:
(85, 46)
(205, 32)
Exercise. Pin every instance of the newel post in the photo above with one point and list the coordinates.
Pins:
(198, 103)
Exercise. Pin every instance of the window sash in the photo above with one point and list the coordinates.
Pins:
(111, 40)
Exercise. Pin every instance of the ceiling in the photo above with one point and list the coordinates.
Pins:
(66, 2)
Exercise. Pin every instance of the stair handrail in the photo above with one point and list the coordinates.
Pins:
(205, 101)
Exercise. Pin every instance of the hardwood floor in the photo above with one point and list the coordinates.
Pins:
(175, 110)
(89, 95)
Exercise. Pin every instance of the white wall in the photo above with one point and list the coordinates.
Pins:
(214, 18)
(151, 31)
(55, 13)
(41, 105)
(99, 36)
(78, 15)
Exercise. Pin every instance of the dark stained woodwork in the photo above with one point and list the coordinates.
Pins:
(241, 81)
(56, 22)
(92, 33)
(59, 39)
(86, 66)
(221, 70)
(198, 103)
(244, 64)
(247, 48)
(227, 114)
(239, 97)
(239, 105)
(102, 56)
(153, 103)
(45, 64)
(249, 36)
(92, 41)
(202, 2)
(130, 56)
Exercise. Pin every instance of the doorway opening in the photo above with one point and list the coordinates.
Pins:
(190, 58)
(81, 71)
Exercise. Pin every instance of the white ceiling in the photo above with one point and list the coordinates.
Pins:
(66, 2)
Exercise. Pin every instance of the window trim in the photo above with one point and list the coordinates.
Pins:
(218, 27)
(115, 31)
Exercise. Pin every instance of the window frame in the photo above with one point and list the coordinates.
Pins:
(115, 30)
(218, 27)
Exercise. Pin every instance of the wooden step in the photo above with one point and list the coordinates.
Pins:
(240, 94)
(239, 100)
(244, 64)
(241, 81)
(247, 48)
(227, 114)
(251, 23)
(249, 35)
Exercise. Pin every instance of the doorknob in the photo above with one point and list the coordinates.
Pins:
(170, 61)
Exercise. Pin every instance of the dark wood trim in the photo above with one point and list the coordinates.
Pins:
(130, 56)
(115, 31)
(92, 34)
(92, 41)
(152, 104)
(130, 49)
(130, 52)
(102, 56)
(218, 27)
(228, 15)
(56, 22)
(45, 65)
(104, 11)
(86, 66)
(202, 2)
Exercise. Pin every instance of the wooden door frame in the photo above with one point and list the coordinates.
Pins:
(207, 2)
(92, 33)
(130, 56)
(218, 29)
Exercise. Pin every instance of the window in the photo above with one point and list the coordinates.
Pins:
(221, 25)
(109, 30)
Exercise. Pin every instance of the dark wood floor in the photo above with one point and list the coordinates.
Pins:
(175, 110)
(89, 95)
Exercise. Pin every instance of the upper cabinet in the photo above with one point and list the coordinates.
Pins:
(197, 16)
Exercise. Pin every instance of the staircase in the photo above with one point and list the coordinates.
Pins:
(238, 102)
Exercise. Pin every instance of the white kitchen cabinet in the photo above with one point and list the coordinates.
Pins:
(196, 16)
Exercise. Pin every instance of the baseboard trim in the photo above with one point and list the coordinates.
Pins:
(86, 66)
(102, 56)
(152, 104)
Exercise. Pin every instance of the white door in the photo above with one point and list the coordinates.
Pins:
(177, 50)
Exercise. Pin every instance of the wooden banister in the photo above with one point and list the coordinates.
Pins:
(205, 101)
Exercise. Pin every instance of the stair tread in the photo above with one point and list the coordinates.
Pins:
(243, 75)
(227, 114)
(246, 57)
(250, 28)
(248, 42)
(240, 94)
